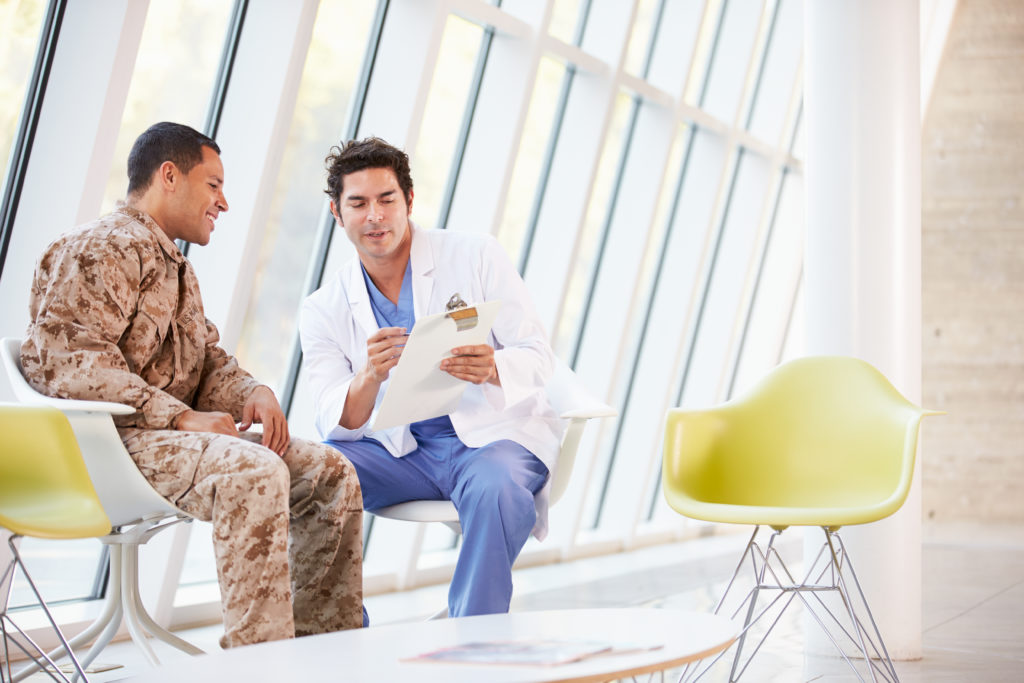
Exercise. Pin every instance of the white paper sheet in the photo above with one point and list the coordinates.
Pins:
(418, 389)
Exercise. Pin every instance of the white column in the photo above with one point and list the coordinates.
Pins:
(863, 263)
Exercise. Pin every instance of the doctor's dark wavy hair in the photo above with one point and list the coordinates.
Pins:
(164, 141)
(357, 155)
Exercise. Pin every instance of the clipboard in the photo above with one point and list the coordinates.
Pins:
(418, 389)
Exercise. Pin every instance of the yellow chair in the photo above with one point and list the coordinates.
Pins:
(821, 441)
(45, 492)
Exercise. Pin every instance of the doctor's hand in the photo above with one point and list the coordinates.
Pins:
(473, 364)
(383, 349)
(262, 407)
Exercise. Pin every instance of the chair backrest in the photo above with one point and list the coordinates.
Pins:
(817, 433)
(45, 490)
(126, 495)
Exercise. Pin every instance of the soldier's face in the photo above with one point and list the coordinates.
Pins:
(373, 211)
(200, 199)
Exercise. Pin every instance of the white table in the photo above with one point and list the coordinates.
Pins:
(376, 653)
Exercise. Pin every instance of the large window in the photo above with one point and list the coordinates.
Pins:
(649, 203)
(20, 24)
(528, 176)
(298, 207)
(297, 214)
(639, 162)
(63, 570)
(173, 78)
(462, 54)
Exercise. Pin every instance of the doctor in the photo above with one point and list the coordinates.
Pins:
(491, 457)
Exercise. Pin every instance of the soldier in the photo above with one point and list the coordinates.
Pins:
(116, 315)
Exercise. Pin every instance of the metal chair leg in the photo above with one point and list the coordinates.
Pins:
(879, 651)
(747, 551)
(49, 667)
(747, 621)
(111, 614)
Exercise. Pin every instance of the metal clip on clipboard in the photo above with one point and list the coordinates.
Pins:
(465, 316)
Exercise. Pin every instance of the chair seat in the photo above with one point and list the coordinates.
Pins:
(420, 511)
(70, 517)
(780, 516)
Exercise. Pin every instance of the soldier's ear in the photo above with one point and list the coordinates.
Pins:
(167, 175)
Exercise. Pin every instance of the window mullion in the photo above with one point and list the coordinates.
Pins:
(21, 150)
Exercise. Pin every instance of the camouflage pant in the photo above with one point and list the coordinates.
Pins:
(247, 491)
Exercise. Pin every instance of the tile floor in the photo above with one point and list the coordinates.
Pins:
(973, 605)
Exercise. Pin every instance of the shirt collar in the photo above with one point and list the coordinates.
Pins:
(166, 243)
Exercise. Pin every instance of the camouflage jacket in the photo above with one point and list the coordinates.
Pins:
(116, 315)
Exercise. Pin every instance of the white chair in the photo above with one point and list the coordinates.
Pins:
(573, 403)
(136, 511)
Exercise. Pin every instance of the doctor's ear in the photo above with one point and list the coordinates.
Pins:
(337, 216)
(408, 207)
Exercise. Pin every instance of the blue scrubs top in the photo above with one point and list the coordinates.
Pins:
(402, 314)
(387, 313)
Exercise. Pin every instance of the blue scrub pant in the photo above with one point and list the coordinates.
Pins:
(492, 488)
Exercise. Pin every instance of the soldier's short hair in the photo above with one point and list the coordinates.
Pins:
(165, 141)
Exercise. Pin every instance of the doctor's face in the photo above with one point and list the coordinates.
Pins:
(373, 211)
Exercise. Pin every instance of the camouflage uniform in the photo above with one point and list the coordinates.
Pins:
(116, 315)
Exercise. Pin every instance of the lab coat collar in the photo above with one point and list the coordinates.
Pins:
(422, 257)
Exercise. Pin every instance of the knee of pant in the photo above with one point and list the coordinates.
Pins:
(338, 474)
(511, 500)
(516, 502)
(265, 476)
(336, 467)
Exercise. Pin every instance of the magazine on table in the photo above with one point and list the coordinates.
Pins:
(533, 652)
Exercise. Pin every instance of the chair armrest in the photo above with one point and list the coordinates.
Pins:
(589, 412)
(70, 405)
(9, 357)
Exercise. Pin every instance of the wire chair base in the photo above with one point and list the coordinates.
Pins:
(849, 625)
(12, 634)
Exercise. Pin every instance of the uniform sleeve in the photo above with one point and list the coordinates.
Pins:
(224, 386)
(82, 301)
(523, 356)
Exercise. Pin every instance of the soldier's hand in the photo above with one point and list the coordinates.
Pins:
(263, 407)
(196, 421)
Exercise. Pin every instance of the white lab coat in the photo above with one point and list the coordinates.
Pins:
(337, 319)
